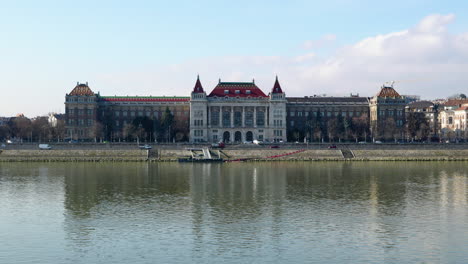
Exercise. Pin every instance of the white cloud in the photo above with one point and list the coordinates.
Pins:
(428, 54)
(319, 43)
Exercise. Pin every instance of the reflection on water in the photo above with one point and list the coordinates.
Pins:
(236, 213)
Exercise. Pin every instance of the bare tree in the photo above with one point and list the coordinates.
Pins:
(5, 132)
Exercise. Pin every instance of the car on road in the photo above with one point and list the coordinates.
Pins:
(44, 146)
(218, 145)
(146, 146)
(378, 142)
(332, 147)
(274, 147)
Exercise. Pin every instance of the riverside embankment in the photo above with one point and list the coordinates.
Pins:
(301, 152)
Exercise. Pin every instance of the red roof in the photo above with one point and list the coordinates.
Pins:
(456, 102)
(388, 92)
(237, 89)
(143, 99)
(198, 87)
(462, 108)
(82, 90)
(277, 87)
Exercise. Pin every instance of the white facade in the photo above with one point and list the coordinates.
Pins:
(235, 113)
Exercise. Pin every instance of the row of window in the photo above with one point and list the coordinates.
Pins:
(248, 118)
(391, 112)
(328, 113)
(80, 122)
(198, 133)
(277, 123)
(278, 133)
(75, 111)
(146, 113)
(80, 99)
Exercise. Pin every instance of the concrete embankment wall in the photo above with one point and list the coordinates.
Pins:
(264, 154)
(73, 155)
(411, 154)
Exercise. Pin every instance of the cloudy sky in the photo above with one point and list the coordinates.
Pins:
(333, 47)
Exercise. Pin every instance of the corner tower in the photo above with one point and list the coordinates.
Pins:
(81, 112)
(277, 113)
(387, 114)
(198, 113)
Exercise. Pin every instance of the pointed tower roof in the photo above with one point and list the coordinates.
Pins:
(277, 87)
(82, 89)
(198, 87)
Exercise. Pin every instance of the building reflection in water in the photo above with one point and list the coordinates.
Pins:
(213, 209)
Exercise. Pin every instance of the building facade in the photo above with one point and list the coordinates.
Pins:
(90, 115)
(313, 118)
(430, 111)
(452, 119)
(387, 114)
(237, 112)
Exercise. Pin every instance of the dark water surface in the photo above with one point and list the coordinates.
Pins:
(360, 212)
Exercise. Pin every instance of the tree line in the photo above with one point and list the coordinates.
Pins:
(316, 128)
(37, 129)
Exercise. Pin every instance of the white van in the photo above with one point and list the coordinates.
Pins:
(44, 146)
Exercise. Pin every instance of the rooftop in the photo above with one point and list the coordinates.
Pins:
(387, 91)
(81, 89)
(145, 98)
(420, 104)
(318, 100)
(237, 89)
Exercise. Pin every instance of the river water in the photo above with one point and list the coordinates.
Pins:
(285, 212)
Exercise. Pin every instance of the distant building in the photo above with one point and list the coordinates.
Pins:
(411, 98)
(54, 118)
(430, 111)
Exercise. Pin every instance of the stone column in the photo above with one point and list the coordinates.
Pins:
(255, 116)
(232, 116)
(243, 116)
(207, 118)
(220, 116)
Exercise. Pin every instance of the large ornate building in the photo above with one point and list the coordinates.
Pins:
(233, 112)
(237, 112)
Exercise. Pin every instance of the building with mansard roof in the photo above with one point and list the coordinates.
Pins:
(237, 112)
(89, 115)
(387, 114)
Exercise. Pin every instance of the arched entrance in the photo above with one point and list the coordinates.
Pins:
(249, 136)
(237, 136)
(226, 136)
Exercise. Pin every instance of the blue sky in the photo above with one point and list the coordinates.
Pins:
(158, 47)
